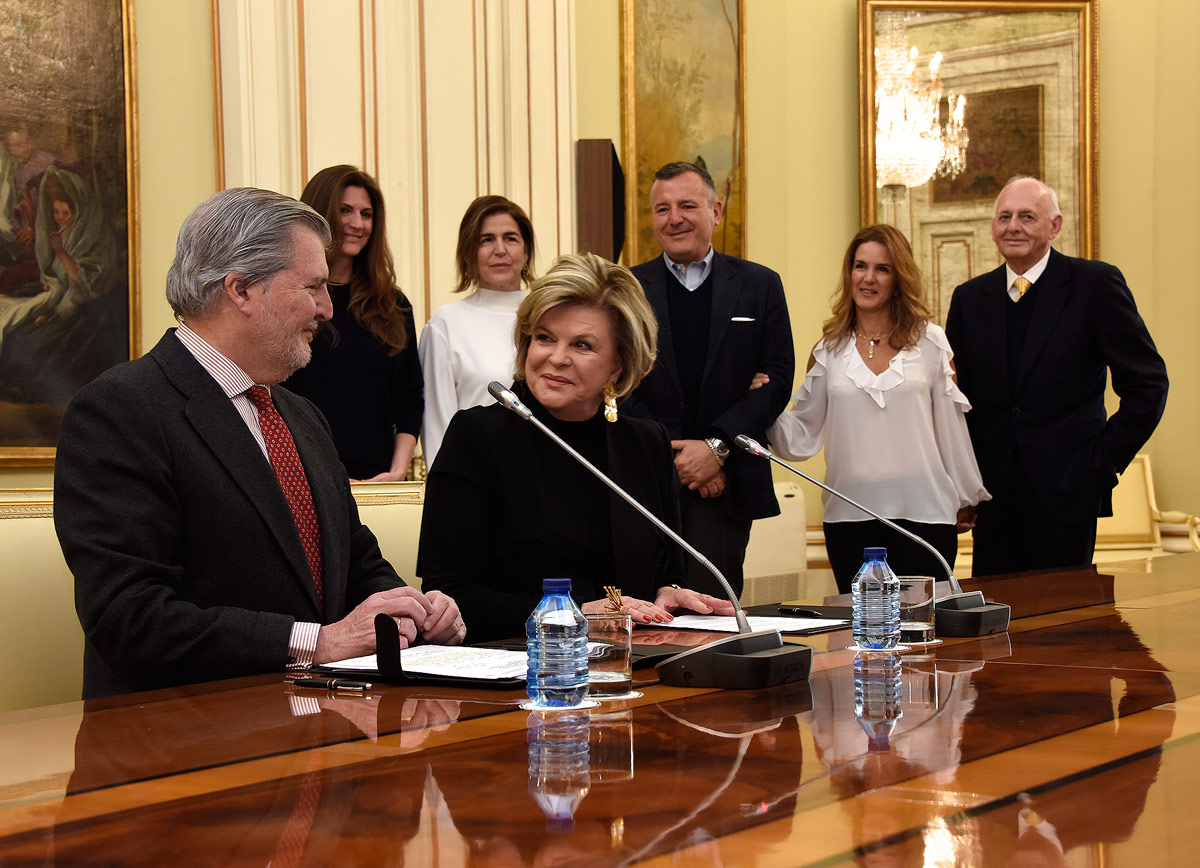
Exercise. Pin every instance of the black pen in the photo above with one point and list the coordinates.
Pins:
(332, 684)
(797, 610)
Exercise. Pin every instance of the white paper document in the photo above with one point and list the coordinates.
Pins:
(728, 624)
(451, 660)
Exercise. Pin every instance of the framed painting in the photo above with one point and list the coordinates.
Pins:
(683, 98)
(68, 211)
(1028, 73)
(1006, 140)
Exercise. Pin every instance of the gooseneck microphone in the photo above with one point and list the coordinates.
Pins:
(757, 449)
(750, 659)
(959, 614)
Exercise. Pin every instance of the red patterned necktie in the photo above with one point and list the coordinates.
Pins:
(282, 451)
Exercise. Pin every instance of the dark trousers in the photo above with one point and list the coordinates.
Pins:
(719, 538)
(1015, 532)
(845, 541)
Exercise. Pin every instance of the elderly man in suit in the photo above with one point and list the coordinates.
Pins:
(722, 327)
(201, 508)
(1033, 342)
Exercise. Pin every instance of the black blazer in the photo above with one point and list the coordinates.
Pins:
(1051, 420)
(497, 521)
(188, 566)
(749, 332)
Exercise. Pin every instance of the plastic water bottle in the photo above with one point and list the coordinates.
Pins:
(556, 643)
(877, 697)
(876, 619)
(558, 764)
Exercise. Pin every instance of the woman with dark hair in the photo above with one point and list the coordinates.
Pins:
(364, 374)
(880, 397)
(468, 343)
(505, 507)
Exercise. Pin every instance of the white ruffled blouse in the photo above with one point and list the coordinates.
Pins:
(896, 442)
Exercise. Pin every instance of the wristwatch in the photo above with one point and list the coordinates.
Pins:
(719, 450)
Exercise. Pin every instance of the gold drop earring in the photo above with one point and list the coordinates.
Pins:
(610, 402)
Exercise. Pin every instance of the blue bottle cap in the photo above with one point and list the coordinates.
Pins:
(878, 553)
(556, 586)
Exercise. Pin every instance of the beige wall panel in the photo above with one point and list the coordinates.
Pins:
(596, 68)
(543, 155)
(401, 174)
(176, 151)
(334, 64)
(481, 105)
(566, 126)
(514, 93)
(452, 135)
(1169, 300)
(495, 59)
(802, 160)
(261, 94)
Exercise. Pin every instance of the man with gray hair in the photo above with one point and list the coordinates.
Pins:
(201, 508)
(1034, 341)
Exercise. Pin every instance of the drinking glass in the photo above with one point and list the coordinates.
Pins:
(917, 610)
(610, 670)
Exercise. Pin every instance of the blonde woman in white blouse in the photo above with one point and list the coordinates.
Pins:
(881, 398)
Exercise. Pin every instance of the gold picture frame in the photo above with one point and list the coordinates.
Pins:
(1032, 68)
(69, 228)
(683, 97)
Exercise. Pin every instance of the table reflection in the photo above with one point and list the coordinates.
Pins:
(969, 712)
(558, 764)
(706, 766)
(1037, 748)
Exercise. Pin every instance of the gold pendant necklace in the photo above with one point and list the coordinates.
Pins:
(871, 342)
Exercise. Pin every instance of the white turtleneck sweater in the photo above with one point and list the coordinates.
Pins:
(465, 345)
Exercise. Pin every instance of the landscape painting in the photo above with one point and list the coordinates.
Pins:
(683, 98)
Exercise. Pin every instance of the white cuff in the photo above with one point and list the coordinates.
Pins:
(303, 644)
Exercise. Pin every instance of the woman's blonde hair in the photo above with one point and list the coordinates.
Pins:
(587, 279)
(909, 311)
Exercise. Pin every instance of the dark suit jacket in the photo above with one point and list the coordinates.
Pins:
(188, 566)
(1052, 419)
(497, 521)
(749, 332)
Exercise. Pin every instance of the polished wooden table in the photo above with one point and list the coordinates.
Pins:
(1072, 739)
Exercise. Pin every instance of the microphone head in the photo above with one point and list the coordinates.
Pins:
(750, 445)
(506, 398)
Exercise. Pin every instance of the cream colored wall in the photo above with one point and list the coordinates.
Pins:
(803, 174)
(1149, 216)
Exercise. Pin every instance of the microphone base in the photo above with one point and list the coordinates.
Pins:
(968, 614)
(742, 662)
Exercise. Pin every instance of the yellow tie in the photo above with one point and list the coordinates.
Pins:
(1021, 284)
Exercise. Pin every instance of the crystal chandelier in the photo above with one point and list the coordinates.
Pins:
(911, 144)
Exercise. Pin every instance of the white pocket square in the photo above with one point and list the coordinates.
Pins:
(741, 319)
